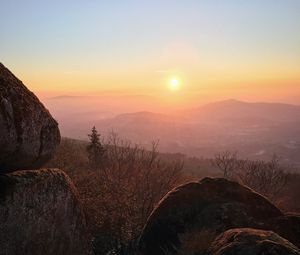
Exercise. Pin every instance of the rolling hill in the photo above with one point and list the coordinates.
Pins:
(255, 130)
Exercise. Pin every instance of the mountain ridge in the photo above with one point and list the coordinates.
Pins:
(256, 130)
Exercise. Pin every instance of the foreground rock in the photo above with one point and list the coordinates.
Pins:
(287, 226)
(251, 241)
(191, 216)
(40, 214)
(28, 133)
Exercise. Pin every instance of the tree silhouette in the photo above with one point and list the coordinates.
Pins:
(95, 150)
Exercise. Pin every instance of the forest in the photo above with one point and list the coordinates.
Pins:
(120, 182)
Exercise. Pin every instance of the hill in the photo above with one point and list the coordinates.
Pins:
(256, 130)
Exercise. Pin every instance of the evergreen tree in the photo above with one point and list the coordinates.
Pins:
(95, 150)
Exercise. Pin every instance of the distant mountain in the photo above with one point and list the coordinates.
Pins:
(142, 127)
(256, 130)
(234, 109)
(63, 97)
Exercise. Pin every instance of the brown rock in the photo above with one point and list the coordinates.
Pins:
(201, 211)
(28, 133)
(253, 242)
(288, 226)
(40, 214)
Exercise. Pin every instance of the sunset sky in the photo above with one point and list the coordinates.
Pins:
(216, 49)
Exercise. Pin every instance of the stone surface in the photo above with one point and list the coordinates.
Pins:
(40, 214)
(28, 133)
(251, 242)
(201, 211)
(287, 226)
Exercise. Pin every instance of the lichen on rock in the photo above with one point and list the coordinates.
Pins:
(40, 213)
(28, 133)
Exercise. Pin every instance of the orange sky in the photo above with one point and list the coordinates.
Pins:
(217, 50)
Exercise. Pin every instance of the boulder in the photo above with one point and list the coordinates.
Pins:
(201, 211)
(28, 133)
(247, 241)
(40, 214)
(287, 226)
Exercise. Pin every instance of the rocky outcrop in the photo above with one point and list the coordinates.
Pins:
(251, 241)
(287, 226)
(40, 214)
(28, 133)
(192, 215)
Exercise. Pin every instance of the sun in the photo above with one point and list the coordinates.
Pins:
(174, 84)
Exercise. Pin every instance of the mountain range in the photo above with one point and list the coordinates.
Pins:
(254, 130)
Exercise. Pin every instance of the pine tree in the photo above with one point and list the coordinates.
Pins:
(95, 150)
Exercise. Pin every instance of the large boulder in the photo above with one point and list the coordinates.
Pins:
(28, 133)
(40, 214)
(251, 242)
(192, 215)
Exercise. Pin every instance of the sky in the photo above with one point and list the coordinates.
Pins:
(215, 49)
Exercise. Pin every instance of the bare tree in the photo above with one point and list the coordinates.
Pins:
(228, 163)
(267, 178)
(120, 196)
(70, 156)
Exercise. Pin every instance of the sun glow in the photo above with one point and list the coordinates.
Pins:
(174, 84)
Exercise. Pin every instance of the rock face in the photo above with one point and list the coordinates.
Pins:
(287, 226)
(28, 133)
(251, 241)
(40, 214)
(191, 216)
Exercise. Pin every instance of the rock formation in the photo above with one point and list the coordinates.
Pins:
(191, 216)
(251, 241)
(40, 211)
(40, 214)
(28, 133)
(287, 226)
